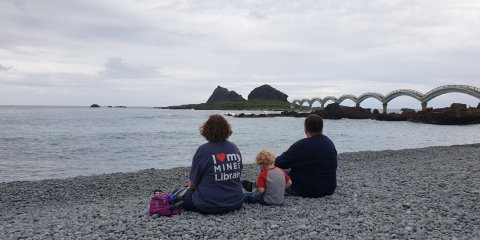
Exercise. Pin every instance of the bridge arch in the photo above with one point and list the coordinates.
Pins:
(329, 98)
(305, 100)
(375, 95)
(423, 98)
(472, 91)
(296, 103)
(403, 92)
(347, 96)
(314, 100)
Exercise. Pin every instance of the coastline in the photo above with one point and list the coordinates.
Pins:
(430, 192)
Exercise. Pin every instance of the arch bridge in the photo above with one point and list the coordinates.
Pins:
(385, 99)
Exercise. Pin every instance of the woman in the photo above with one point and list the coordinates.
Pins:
(214, 180)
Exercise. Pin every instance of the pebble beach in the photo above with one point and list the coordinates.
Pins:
(425, 193)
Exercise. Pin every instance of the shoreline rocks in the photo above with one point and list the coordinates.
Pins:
(456, 114)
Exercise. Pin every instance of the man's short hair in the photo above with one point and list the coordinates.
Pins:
(314, 124)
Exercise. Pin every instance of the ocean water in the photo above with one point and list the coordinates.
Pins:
(57, 142)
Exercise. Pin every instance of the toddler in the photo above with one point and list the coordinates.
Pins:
(271, 183)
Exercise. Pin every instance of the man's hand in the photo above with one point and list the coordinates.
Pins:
(191, 185)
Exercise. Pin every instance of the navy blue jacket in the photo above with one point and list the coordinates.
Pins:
(313, 166)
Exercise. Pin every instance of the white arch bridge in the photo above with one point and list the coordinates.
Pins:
(422, 98)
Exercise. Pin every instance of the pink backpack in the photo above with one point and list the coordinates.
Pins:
(161, 205)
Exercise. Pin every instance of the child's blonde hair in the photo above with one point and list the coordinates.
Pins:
(265, 157)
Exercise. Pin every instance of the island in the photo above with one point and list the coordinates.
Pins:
(264, 97)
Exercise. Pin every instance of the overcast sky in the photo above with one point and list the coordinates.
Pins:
(161, 52)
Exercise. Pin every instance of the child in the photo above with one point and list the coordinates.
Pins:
(271, 183)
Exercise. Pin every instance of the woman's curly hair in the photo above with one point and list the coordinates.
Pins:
(216, 129)
(265, 157)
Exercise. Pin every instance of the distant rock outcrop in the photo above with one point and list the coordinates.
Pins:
(94, 106)
(221, 94)
(456, 114)
(267, 92)
(335, 111)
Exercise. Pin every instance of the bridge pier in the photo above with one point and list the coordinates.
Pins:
(424, 106)
(385, 108)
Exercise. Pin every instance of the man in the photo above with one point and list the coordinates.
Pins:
(312, 162)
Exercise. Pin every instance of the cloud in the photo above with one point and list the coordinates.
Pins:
(117, 68)
(5, 68)
(307, 48)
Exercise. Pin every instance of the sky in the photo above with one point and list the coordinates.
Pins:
(172, 52)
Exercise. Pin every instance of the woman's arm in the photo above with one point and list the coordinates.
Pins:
(197, 169)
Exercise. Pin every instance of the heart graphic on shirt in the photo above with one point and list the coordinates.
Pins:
(220, 156)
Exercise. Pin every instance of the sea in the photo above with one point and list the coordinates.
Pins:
(38, 142)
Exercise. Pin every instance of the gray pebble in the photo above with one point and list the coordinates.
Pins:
(408, 194)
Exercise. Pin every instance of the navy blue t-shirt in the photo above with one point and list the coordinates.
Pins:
(313, 166)
(216, 170)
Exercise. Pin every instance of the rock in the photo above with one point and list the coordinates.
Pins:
(289, 113)
(458, 106)
(407, 110)
(221, 94)
(336, 111)
(391, 117)
(332, 111)
(459, 115)
(94, 106)
(267, 92)
(245, 115)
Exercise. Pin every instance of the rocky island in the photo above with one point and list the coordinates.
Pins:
(221, 94)
(264, 97)
(267, 92)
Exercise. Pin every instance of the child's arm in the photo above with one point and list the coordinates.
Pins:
(289, 183)
(261, 182)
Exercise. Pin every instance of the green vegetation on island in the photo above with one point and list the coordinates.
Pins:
(237, 105)
(264, 97)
